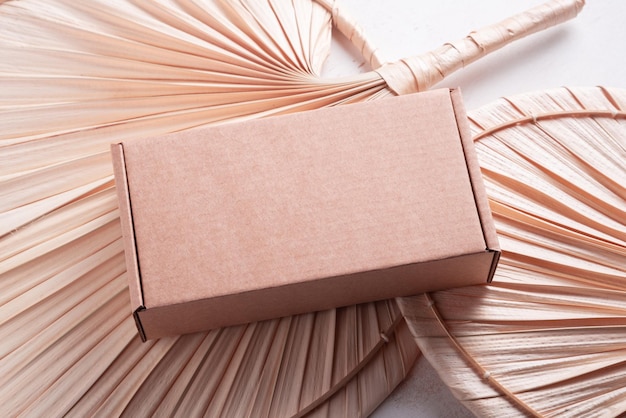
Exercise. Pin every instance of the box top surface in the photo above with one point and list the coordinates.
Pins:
(292, 198)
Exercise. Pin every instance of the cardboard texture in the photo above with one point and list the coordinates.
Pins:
(266, 218)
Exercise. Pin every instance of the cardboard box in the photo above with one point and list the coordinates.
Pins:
(266, 218)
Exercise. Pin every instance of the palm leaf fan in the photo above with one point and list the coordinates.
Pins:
(77, 76)
(548, 336)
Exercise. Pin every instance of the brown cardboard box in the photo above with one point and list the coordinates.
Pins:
(266, 218)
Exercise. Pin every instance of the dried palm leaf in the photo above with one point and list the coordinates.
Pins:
(548, 337)
(78, 75)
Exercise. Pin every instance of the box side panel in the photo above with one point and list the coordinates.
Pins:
(476, 178)
(126, 220)
(317, 295)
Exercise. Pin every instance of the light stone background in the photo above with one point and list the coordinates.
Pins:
(587, 51)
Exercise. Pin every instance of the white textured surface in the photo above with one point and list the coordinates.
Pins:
(422, 394)
(586, 51)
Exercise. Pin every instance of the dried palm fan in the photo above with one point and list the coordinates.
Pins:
(76, 76)
(548, 337)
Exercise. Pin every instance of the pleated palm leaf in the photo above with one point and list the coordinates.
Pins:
(77, 76)
(548, 336)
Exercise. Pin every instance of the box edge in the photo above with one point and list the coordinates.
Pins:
(128, 235)
(494, 264)
(474, 171)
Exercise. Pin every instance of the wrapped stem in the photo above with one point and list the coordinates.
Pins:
(418, 73)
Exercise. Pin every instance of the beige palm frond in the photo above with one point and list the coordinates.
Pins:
(77, 76)
(548, 336)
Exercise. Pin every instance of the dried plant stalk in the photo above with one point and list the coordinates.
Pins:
(546, 338)
(421, 72)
